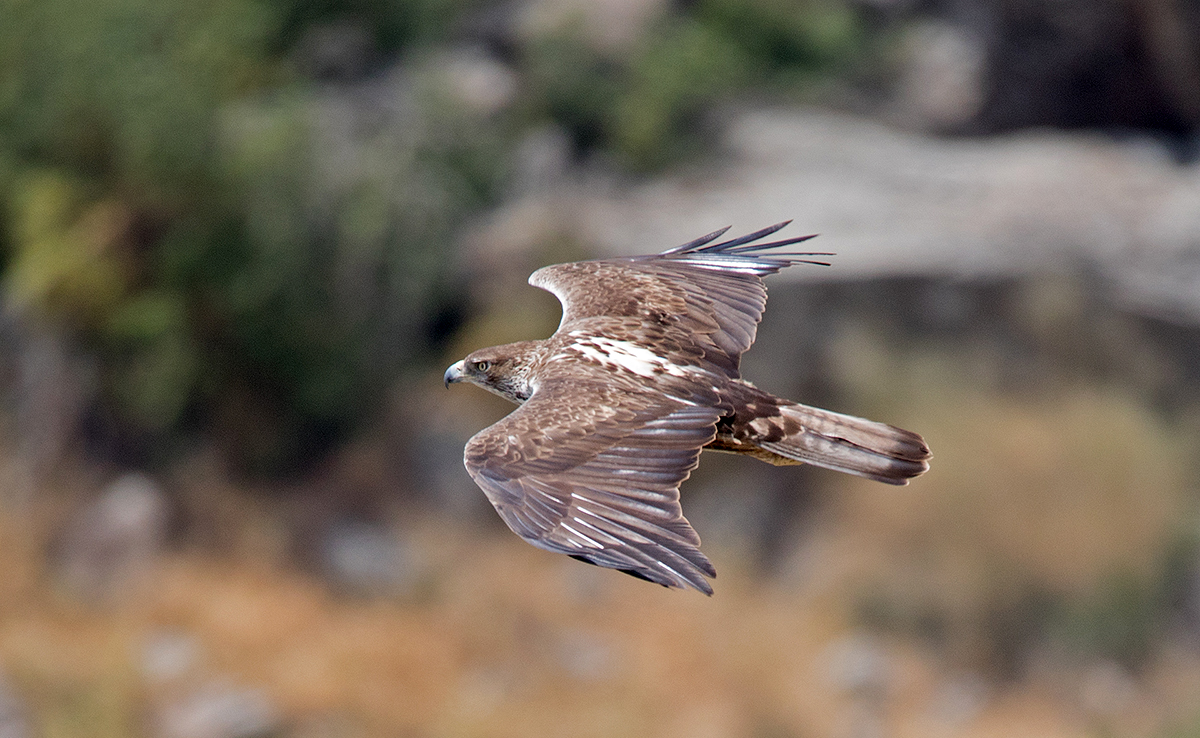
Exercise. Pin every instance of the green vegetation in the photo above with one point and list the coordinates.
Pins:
(646, 107)
(171, 201)
(159, 204)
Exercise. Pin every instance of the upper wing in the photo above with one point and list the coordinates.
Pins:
(593, 471)
(710, 292)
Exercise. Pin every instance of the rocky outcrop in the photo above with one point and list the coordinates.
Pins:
(899, 204)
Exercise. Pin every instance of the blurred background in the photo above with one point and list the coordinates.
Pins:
(240, 240)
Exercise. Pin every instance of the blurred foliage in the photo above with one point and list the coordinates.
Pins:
(783, 36)
(646, 107)
(201, 219)
(168, 213)
(669, 83)
(1126, 616)
(394, 25)
(1121, 620)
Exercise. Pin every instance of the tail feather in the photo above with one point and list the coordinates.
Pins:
(848, 444)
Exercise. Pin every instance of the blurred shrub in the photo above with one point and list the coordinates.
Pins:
(342, 263)
(106, 114)
(65, 257)
(1121, 620)
(646, 107)
(174, 219)
(239, 249)
(1125, 617)
(1064, 533)
(393, 24)
(785, 37)
(669, 84)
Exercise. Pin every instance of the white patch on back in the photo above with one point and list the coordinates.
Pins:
(631, 357)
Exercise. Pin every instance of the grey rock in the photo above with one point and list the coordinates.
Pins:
(336, 51)
(942, 81)
(542, 161)
(219, 711)
(476, 80)
(892, 203)
(366, 558)
(50, 390)
(585, 655)
(959, 700)
(856, 664)
(14, 719)
(611, 25)
(110, 543)
(169, 655)
(444, 481)
(1107, 689)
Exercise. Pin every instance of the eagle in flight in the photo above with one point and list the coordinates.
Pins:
(641, 375)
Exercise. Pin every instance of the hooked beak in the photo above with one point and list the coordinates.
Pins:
(453, 374)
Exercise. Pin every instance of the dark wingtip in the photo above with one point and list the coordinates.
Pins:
(747, 250)
(762, 233)
(696, 243)
(700, 585)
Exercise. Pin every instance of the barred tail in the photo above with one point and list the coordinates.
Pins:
(848, 444)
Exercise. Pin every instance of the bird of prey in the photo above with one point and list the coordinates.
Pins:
(641, 375)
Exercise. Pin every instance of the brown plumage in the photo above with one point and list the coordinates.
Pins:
(642, 373)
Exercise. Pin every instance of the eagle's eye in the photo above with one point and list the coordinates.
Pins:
(483, 366)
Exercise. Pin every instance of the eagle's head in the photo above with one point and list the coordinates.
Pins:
(504, 370)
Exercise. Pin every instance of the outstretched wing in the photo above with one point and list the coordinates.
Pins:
(709, 293)
(593, 470)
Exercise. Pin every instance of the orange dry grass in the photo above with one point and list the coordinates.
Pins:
(500, 639)
(505, 641)
(1034, 496)
(517, 643)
